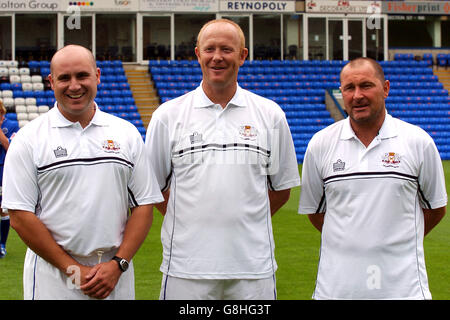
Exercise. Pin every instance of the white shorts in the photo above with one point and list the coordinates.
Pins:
(173, 288)
(42, 281)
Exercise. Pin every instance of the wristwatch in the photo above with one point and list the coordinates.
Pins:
(123, 264)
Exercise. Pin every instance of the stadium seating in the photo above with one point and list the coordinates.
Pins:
(418, 97)
(27, 93)
(443, 59)
(428, 58)
(299, 88)
(416, 94)
(23, 93)
(114, 95)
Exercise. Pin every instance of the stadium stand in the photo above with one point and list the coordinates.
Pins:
(418, 97)
(299, 87)
(26, 91)
(22, 92)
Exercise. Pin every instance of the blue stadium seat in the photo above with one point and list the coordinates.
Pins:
(39, 94)
(137, 122)
(142, 130)
(117, 63)
(428, 58)
(50, 102)
(41, 101)
(5, 86)
(108, 108)
(442, 59)
(28, 94)
(18, 94)
(134, 115)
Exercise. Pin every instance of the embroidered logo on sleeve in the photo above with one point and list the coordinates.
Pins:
(391, 159)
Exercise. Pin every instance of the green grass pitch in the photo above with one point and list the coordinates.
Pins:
(297, 250)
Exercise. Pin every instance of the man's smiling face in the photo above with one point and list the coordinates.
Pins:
(74, 79)
(220, 55)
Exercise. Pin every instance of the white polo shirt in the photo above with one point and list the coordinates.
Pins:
(219, 164)
(79, 182)
(372, 237)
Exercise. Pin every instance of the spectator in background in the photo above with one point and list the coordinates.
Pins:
(9, 129)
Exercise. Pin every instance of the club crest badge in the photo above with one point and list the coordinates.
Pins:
(111, 146)
(391, 159)
(248, 132)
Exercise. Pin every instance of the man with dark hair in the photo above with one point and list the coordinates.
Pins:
(374, 186)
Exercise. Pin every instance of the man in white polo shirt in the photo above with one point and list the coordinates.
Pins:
(374, 186)
(225, 160)
(70, 178)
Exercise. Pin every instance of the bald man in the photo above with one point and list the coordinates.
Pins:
(69, 180)
(374, 187)
(225, 160)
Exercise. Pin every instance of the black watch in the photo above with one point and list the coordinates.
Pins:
(123, 264)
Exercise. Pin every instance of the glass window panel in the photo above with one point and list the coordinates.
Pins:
(445, 33)
(335, 42)
(156, 34)
(266, 39)
(5, 38)
(82, 35)
(292, 33)
(35, 36)
(115, 37)
(355, 39)
(375, 42)
(316, 38)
